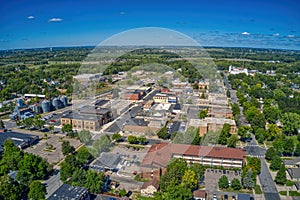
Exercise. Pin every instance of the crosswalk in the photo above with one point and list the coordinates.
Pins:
(257, 156)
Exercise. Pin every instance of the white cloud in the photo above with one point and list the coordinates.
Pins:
(55, 20)
(122, 13)
(245, 33)
(276, 34)
(30, 17)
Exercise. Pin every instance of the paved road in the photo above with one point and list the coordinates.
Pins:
(52, 184)
(265, 178)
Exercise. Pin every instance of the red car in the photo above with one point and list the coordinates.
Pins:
(52, 121)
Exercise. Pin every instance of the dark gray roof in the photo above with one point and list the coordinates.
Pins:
(106, 161)
(67, 191)
(294, 172)
(243, 197)
(93, 110)
(81, 117)
(292, 162)
(137, 121)
(19, 139)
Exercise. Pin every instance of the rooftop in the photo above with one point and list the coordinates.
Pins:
(153, 182)
(106, 161)
(67, 191)
(160, 154)
(295, 161)
(19, 139)
(294, 172)
(199, 193)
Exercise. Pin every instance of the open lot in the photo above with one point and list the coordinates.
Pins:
(55, 155)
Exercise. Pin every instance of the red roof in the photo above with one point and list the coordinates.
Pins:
(199, 193)
(160, 154)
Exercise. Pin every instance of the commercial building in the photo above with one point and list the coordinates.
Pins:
(88, 119)
(164, 98)
(160, 154)
(106, 162)
(21, 140)
(67, 191)
(212, 124)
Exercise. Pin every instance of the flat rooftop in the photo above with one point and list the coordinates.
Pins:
(67, 191)
(19, 139)
(106, 161)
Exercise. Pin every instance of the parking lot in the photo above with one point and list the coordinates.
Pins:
(130, 160)
(55, 155)
(212, 177)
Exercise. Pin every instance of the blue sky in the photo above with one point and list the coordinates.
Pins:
(265, 23)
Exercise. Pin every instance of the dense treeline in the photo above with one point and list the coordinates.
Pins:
(29, 168)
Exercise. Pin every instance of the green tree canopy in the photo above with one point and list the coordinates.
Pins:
(189, 179)
(132, 139)
(232, 140)
(66, 148)
(223, 182)
(270, 153)
(84, 136)
(247, 180)
(291, 123)
(36, 191)
(275, 163)
(236, 184)
(117, 137)
(281, 176)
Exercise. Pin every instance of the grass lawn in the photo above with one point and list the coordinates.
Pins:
(257, 189)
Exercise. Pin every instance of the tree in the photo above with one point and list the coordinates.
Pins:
(28, 122)
(83, 155)
(189, 179)
(117, 137)
(275, 163)
(102, 144)
(78, 177)
(163, 133)
(247, 180)
(132, 139)
(281, 176)
(11, 157)
(84, 136)
(36, 191)
(67, 128)
(175, 171)
(142, 139)
(288, 147)
(225, 134)
(122, 192)
(177, 192)
(270, 153)
(191, 136)
(203, 113)
(38, 122)
(236, 184)
(198, 169)
(260, 135)
(231, 142)
(94, 181)
(2, 124)
(66, 148)
(235, 109)
(273, 131)
(297, 150)
(278, 145)
(9, 188)
(223, 182)
(271, 114)
(291, 123)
